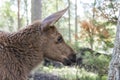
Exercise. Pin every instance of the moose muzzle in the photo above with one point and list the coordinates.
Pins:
(70, 60)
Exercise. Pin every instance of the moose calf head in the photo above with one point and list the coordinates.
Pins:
(23, 50)
(54, 46)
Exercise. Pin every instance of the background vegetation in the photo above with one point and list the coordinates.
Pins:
(89, 27)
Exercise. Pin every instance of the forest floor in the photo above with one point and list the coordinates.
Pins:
(45, 76)
(64, 73)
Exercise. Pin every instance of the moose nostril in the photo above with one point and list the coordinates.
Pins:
(67, 62)
(74, 55)
(73, 58)
(79, 61)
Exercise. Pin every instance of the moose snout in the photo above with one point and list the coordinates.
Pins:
(71, 59)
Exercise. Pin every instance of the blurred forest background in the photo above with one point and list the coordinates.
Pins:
(89, 26)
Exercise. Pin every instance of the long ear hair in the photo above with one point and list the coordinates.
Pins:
(52, 19)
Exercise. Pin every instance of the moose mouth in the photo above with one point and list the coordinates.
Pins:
(70, 60)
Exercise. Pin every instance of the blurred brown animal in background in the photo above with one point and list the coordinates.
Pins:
(22, 51)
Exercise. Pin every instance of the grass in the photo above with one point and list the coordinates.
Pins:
(71, 73)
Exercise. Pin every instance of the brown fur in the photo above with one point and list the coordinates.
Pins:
(21, 51)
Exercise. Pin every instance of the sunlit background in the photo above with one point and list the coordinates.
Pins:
(89, 26)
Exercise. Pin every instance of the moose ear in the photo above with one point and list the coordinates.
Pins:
(52, 19)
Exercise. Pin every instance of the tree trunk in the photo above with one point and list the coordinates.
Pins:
(57, 4)
(26, 11)
(69, 19)
(36, 10)
(76, 29)
(18, 14)
(114, 68)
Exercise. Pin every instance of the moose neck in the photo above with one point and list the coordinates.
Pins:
(28, 44)
(27, 35)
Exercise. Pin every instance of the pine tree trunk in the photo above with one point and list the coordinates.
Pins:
(36, 11)
(18, 14)
(76, 29)
(69, 19)
(114, 68)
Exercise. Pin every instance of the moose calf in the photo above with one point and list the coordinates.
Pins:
(22, 51)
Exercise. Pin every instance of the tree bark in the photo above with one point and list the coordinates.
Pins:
(76, 29)
(57, 7)
(18, 14)
(69, 19)
(36, 10)
(114, 68)
(26, 11)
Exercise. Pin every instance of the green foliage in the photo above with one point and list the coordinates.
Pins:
(96, 33)
(70, 73)
(48, 9)
(95, 12)
(95, 62)
(8, 17)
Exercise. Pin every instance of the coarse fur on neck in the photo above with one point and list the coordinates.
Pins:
(21, 48)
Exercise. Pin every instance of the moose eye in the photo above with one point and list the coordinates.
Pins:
(60, 39)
